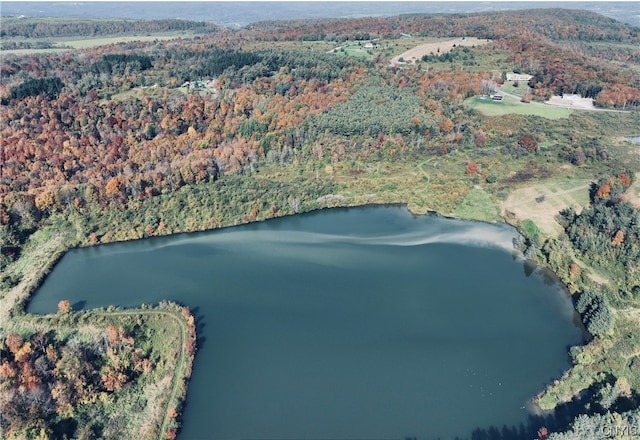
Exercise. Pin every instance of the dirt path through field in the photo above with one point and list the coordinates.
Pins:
(542, 202)
(415, 54)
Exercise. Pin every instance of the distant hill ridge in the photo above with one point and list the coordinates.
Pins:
(556, 24)
(238, 14)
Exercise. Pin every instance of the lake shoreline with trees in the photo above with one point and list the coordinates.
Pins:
(102, 145)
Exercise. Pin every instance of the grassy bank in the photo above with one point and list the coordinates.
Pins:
(511, 105)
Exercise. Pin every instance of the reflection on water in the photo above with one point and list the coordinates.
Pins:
(349, 323)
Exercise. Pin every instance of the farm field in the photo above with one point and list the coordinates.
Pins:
(510, 105)
(62, 45)
(417, 52)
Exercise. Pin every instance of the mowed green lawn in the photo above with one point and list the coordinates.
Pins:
(508, 105)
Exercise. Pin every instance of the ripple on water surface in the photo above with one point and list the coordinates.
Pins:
(348, 323)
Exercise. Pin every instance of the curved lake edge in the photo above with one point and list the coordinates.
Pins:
(539, 269)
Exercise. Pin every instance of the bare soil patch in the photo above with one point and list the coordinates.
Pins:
(416, 54)
(541, 202)
(571, 102)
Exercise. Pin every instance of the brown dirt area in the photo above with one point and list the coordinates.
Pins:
(415, 54)
(571, 102)
(541, 203)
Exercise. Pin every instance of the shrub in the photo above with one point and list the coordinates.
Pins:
(529, 142)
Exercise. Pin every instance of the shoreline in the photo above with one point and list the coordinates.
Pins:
(21, 304)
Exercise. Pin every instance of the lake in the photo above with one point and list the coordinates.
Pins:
(344, 323)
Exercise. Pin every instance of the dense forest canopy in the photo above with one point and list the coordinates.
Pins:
(35, 28)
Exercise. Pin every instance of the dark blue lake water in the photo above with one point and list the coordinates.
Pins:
(343, 324)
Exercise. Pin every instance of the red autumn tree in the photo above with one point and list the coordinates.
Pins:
(543, 433)
(446, 125)
(529, 142)
(472, 168)
(625, 180)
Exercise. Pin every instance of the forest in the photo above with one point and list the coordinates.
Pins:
(68, 380)
(34, 28)
(135, 139)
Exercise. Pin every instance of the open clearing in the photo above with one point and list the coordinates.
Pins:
(357, 50)
(86, 43)
(542, 201)
(632, 195)
(509, 105)
(571, 102)
(416, 54)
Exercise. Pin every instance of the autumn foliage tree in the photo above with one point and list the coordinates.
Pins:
(480, 139)
(446, 125)
(472, 168)
(45, 379)
(529, 142)
(618, 238)
(64, 306)
(610, 189)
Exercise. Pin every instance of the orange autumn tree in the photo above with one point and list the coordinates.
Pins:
(618, 239)
(64, 306)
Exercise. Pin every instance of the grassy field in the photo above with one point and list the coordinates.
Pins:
(478, 205)
(543, 200)
(95, 42)
(151, 91)
(85, 43)
(521, 90)
(320, 46)
(415, 53)
(510, 105)
(356, 49)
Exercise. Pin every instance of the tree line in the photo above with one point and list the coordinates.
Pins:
(43, 28)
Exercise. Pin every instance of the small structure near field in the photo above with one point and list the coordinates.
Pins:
(497, 97)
